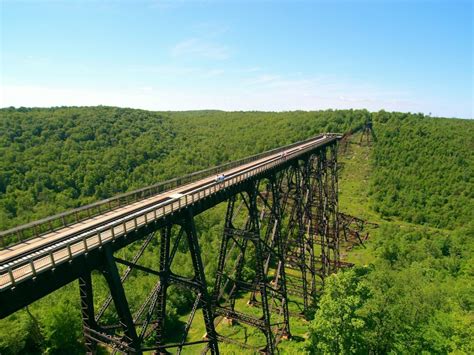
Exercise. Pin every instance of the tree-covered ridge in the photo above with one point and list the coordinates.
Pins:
(59, 158)
(423, 169)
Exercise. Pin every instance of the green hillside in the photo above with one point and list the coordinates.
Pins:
(423, 170)
(411, 288)
(55, 159)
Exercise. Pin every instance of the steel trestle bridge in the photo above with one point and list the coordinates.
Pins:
(281, 220)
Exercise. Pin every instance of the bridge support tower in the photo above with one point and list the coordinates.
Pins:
(258, 248)
(281, 238)
(133, 332)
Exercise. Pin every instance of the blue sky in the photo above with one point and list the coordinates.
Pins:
(412, 56)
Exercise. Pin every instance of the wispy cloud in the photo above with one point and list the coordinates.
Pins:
(164, 70)
(263, 79)
(196, 47)
(175, 71)
(164, 4)
(251, 70)
(35, 60)
(210, 29)
(213, 73)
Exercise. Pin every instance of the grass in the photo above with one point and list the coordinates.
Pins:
(250, 335)
(354, 196)
(354, 186)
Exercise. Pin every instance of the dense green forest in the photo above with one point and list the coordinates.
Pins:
(423, 169)
(60, 158)
(412, 291)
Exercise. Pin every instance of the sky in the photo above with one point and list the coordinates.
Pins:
(410, 56)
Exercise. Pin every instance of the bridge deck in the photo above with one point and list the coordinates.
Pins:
(27, 259)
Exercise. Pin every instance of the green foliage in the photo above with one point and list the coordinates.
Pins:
(416, 298)
(337, 327)
(55, 330)
(61, 328)
(17, 336)
(423, 169)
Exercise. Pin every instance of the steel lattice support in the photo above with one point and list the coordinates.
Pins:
(200, 279)
(257, 244)
(368, 134)
(324, 211)
(299, 241)
(128, 340)
(93, 332)
(150, 318)
(331, 213)
(197, 284)
(165, 263)
(354, 230)
(312, 242)
(279, 280)
(87, 311)
(271, 220)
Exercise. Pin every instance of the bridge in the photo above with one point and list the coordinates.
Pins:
(282, 208)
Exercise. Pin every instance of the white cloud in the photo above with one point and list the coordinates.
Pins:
(263, 79)
(251, 70)
(174, 71)
(165, 70)
(213, 73)
(196, 47)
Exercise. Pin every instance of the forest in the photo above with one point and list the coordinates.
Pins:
(61, 158)
(411, 290)
(423, 170)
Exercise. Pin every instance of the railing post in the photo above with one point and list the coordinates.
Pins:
(12, 278)
(51, 256)
(86, 248)
(32, 266)
(100, 238)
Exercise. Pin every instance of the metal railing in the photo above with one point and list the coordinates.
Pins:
(53, 223)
